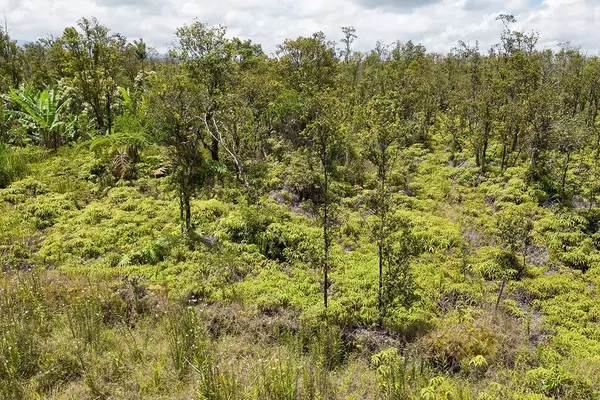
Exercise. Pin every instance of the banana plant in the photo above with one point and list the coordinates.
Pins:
(42, 113)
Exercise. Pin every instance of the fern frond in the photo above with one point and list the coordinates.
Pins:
(121, 164)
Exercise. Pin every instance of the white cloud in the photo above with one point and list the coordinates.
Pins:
(438, 24)
(572, 21)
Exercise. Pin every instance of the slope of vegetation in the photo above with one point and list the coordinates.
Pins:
(323, 224)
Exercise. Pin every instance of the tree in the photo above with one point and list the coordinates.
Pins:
(347, 40)
(11, 69)
(308, 63)
(217, 66)
(543, 110)
(385, 133)
(94, 60)
(569, 136)
(478, 103)
(399, 286)
(38, 65)
(518, 72)
(172, 120)
(307, 67)
(137, 60)
(324, 136)
(207, 57)
(512, 227)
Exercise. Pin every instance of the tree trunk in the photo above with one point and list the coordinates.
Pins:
(214, 144)
(181, 212)
(564, 178)
(502, 286)
(325, 165)
(188, 213)
(326, 241)
(535, 153)
(486, 138)
(380, 297)
(382, 220)
(185, 213)
(214, 149)
(108, 113)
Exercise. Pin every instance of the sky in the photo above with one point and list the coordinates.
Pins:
(437, 24)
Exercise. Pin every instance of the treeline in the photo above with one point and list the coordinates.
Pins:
(224, 111)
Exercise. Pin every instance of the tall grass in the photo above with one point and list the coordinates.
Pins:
(85, 320)
(13, 165)
(280, 378)
(217, 382)
(57, 333)
(187, 346)
(23, 327)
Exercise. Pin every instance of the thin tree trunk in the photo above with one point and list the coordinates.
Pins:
(324, 164)
(188, 213)
(382, 218)
(380, 301)
(326, 241)
(486, 138)
(108, 113)
(181, 219)
(564, 178)
(214, 149)
(502, 286)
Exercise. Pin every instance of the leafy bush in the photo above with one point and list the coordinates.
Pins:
(555, 382)
(289, 242)
(453, 348)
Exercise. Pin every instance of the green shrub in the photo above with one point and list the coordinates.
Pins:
(46, 210)
(557, 383)
(451, 349)
(23, 190)
(294, 243)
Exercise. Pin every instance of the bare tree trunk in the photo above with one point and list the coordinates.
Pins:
(564, 178)
(181, 202)
(382, 218)
(502, 286)
(324, 162)
(218, 140)
(188, 213)
(108, 113)
(181, 212)
(486, 138)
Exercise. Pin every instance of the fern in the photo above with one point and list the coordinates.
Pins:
(121, 164)
(122, 148)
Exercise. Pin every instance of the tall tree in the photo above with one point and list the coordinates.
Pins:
(11, 68)
(324, 136)
(172, 109)
(208, 58)
(385, 133)
(94, 59)
(349, 37)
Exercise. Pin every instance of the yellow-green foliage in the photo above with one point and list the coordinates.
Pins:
(255, 268)
(454, 348)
